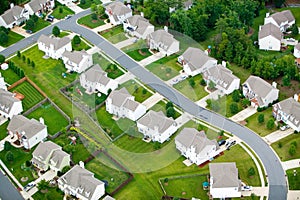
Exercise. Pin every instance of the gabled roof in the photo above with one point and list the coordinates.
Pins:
(190, 137)
(96, 74)
(283, 16)
(35, 5)
(269, 30)
(156, 120)
(118, 97)
(161, 36)
(224, 175)
(12, 14)
(7, 100)
(56, 42)
(118, 8)
(140, 22)
(297, 47)
(44, 149)
(292, 108)
(75, 56)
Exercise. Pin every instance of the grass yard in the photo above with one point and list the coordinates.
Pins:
(65, 11)
(294, 178)
(53, 193)
(138, 51)
(31, 95)
(63, 34)
(161, 106)
(40, 24)
(165, 68)
(88, 3)
(240, 72)
(3, 130)
(10, 76)
(115, 34)
(195, 93)
(113, 71)
(135, 89)
(260, 129)
(282, 147)
(82, 46)
(12, 38)
(89, 22)
(54, 120)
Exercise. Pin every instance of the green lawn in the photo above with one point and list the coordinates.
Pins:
(138, 51)
(31, 95)
(240, 72)
(82, 46)
(165, 68)
(136, 90)
(88, 3)
(195, 93)
(161, 106)
(115, 34)
(260, 129)
(89, 22)
(13, 38)
(283, 151)
(54, 120)
(294, 178)
(65, 11)
(40, 24)
(10, 76)
(3, 130)
(53, 193)
(63, 34)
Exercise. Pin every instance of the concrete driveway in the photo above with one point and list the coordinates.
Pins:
(214, 95)
(278, 135)
(151, 59)
(244, 114)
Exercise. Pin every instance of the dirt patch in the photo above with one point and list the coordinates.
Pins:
(142, 53)
(94, 21)
(167, 74)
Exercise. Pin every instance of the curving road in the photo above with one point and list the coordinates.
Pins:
(275, 172)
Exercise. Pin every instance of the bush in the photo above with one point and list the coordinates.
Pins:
(279, 144)
(144, 91)
(94, 16)
(292, 150)
(56, 31)
(76, 40)
(3, 38)
(2, 58)
(192, 82)
(23, 58)
(28, 163)
(60, 9)
(168, 70)
(236, 96)
(171, 112)
(202, 82)
(9, 156)
(251, 171)
(234, 108)
(270, 124)
(166, 180)
(157, 145)
(82, 2)
(261, 118)
(7, 146)
(169, 104)
(28, 61)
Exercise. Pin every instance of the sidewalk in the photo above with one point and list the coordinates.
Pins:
(102, 28)
(151, 101)
(290, 164)
(277, 135)
(126, 43)
(244, 114)
(293, 195)
(151, 59)
(184, 118)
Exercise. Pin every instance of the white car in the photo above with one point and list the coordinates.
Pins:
(246, 188)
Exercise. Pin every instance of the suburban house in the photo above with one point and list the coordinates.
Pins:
(2, 83)
(14, 16)
(269, 37)
(50, 155)
(259, 91)
(223, 78)
(195, 61)
(195, 146)
(138, 26)
(121, 104)
(29, 132)
(77, 61)
(187, 4)
(288, 111)
(163, 42)
(224, 180)
(38, 7)
(9, 104)
(95, 80)
(81, 183)
(297, 51)
(156, 126)
(54, 47)
(283, 20)
(118, 12)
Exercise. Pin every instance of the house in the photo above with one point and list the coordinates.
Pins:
(81, 183)
(297, 51)
(54, 47)
(163, 42)
(14, 16)
(187, 4)
(77, 61)
(224, 180)
(118, 12)
(156, 126)
(50, 155)
(2, 83)
(283, 20)
(288, 111)
(9, 104)
(95, 80)
(138, 26)
(122, 104)
(29, 132)
(195, 146)
(195, 61)
(269, 37)
(223, 79)
(38, 7)
(259, 91)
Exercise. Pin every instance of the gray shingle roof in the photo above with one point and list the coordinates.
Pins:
(224, 175)
(35, 5)
(283, 16)
(161, 36)
(297, 47)
(269, 29)
(259, 86)
(122, 98)
(56, 42)
(7, 100)
(118, 8)
(292, 108)
(44, 149)
(12, 14)
(140, 22)
(75, 56)
(96, 74)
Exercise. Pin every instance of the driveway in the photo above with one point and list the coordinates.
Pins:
(291, 164)
(126, 43)
(151, 59)
(151, 101)
(244, 114)
(214, 95)
(278, 135)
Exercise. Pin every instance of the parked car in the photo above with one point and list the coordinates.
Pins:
(29, 31)
(51, 16)
(29, 186)
(230, 143)
(221, 142)
(246, 188)
(68, 16)
(49, 19)
(283, 128)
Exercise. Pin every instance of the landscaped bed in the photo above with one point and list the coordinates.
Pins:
(112, 69)
(283, 146)
(138, 51)
(90, 22)
(115, 34)
(135, 89)
(12, 38)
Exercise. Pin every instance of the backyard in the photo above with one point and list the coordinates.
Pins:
(294, 178)
(283, 146)
(10, 76)
(112, 70)
(240, 72)
(138, 51)
(3, 130)
(114, 35)
(137, 90)
(90, 22)
(60, 12)
(12, 38)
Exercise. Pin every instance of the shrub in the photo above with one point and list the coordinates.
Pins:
(236, 96)
(294, 143)
(56, 31)
(234, 108)
(279, 144)
(171, 112)
(168, 70)
(9, 156)
(169, 104)
(28, 61)
(292, 150)
(144, 91)
(28, 163)
(166, 180)
(251, 171)
(202, 82)
(192, 82)
(7, 146)
(270, 124)
(82, 2)
(94, 16)
(2, 58)
(211, 85)
(60, 9)
(76, 40)
(32, 64)
(3, 38)
(23, 58)
(261, 118)
(157, 145)
(19, 54)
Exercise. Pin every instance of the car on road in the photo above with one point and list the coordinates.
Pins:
(221, 142)
(246, 188)
(230, 143)
(29, 186)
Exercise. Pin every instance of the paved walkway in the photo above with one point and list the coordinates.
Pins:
(125, 77)
(126, 43)
(291, 164)
(151, 59)
(49, 175)
(293, 195)
(151, 101)
(244, 114)
(278, 135)
(258, 191)
(184, 118)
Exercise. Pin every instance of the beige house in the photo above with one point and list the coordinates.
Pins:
(37, 7)
(118, 12)
(77, 61)
(138, 26)
(283, 20)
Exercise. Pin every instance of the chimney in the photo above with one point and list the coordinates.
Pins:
(166, 28)
(42, 121)
(81, 164)
(267, 14)
(274, 84)
(224, 63)
(142, 14)
(12, 5)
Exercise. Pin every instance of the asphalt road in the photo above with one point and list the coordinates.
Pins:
(276, 176)
(7, 189)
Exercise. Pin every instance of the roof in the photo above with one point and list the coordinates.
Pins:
(118, 8)
(292, 108)
(188, 3)
(44, 149)
(96, 74)
(190, 137)
(118, 97)
(161, 36)
(79, 177)
(58, 157)
(269, 29)
(224, 175)
(11, 14)
(259, 86)
(7, 100)
(195, 58)
(107, 197)
(140, 22)
(156, 120)
(297, 46)
(56, 42)
(75, 56)
(35, 5)
(283, 16)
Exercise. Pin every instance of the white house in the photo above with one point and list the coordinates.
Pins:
(282, 20)
(96, 80)
(38, 7)
(2, 83)
(195, 146)
(163, 42)
(118, 12)
(138, 26)
(224, 180)
(77, 61)
(297, 51)
(288, 111)
(195, 61)
(223, 78)
(54, 47)
(81, 183)
(156, 126)
(14, 16)
(269, 37)
(187, 4)
(122, 104)
(9, 104)
(259, 91)
(50, 155)
(28, 131)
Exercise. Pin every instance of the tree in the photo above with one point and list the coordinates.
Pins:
(32, 64)
(278, 3)
(192, 82)
(76, 40)
(171, 112)
(93, 7)
(19, 54)
(3, 38)
(211, 85)
(286, 80)
(270, 124)
(9, 156)
(246, 102)
(169, 104)
(295, 30)
(236, 96)
(7, 146)
(144, 91)
(43, 185)
(100, 10)
(2, 58)
(56, 31)
(251, 171)
(60, 9)
(261, 118)
(82, 2)
(203, 82)
(94, 16)
(34, 18)
(30, 24)
(234, 108)
(28, 61)
(23, 58)
(292, 150)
